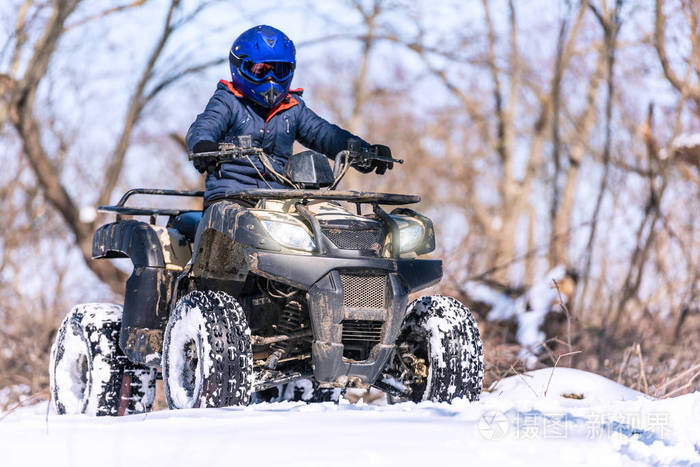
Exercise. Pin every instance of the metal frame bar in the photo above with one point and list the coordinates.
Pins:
(120, 209)
(351, 196)
(393, 228)
(315, 226)
(156, 191)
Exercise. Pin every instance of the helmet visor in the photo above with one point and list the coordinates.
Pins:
(259, 71)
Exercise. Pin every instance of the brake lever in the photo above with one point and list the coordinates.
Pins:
(364, 158)
(387, 159)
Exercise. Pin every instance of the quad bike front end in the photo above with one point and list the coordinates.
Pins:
(331, 285)
(356, 281)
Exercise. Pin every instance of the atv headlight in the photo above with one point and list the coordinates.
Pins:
(410, 235)
(289, 235)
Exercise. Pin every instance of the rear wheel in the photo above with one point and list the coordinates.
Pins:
(439, 356)
(89, 373)
(207, 353)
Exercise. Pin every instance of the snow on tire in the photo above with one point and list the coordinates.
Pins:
(443, 332)
(88, 372)
(207, 352)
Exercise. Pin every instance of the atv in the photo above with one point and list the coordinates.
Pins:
(264, 289)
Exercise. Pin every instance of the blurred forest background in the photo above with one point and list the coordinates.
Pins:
(556, 144)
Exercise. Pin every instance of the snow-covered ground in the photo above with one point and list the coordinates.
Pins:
(584, 419)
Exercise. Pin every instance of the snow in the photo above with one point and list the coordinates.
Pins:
(438, 326)
(558, 383)
(305, 385)
(688, 140)
(513, 425)
(87, 214)
(68, 379)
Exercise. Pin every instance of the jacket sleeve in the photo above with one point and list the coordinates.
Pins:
(212, 124)
(316, 133)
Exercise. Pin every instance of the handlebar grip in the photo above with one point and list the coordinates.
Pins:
(194, 155)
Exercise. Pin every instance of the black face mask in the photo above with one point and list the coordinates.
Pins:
(271, 96)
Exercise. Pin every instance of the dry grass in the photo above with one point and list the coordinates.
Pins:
(645, 355)
(25, 345)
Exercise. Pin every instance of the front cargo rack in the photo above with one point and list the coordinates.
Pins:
(359, 197)
(356, 197)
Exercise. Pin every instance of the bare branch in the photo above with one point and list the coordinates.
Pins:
(22, 117)
(497, 94)
(652, 214)
(554, 253)
(136, 105)
(611, 28)
(20, 37)
(165, 83)
(359, 82)
(43, 50)
(660, 45)
(107, 12)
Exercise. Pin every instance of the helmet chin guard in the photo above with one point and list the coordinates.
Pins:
(272, 95)
(262, 62)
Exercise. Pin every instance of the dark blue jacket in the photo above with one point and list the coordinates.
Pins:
(229, 114)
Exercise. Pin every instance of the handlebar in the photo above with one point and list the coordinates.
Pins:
(355, 156)
(229, 151)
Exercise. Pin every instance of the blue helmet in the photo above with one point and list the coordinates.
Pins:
(262, 65)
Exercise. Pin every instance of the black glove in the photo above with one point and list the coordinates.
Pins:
(381, 166)
(205, 164)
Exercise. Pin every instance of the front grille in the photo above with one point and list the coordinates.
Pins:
(360, 330)
(363, 290)
(371, 239)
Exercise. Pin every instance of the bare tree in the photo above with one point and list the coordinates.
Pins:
(20, 92)
(609, 20)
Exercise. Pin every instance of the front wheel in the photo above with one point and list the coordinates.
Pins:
(207, 352)
(439, 354)
(88, 372)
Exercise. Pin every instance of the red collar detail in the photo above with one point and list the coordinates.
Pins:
(230, 87)
(287, 103)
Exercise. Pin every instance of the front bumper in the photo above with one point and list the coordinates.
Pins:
(351, 301)
(303, 271)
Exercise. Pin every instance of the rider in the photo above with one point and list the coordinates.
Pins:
(258, 102)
